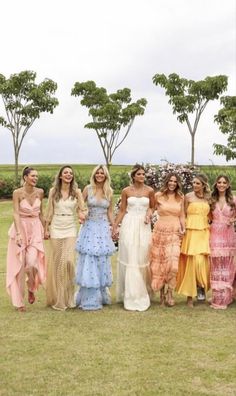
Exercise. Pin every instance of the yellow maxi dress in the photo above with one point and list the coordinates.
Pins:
(194, 268)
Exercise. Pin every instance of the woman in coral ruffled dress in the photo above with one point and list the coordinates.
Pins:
(222, 243)
(193, 273)
(166, 238)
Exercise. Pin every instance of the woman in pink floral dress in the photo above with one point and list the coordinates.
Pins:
(222, 243)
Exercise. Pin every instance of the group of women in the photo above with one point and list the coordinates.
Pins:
(191, 249)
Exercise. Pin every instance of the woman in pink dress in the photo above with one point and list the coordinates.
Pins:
(25, 254)
(166, 238)
(222, 243)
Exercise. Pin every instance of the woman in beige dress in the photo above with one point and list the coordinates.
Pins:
(65, 204)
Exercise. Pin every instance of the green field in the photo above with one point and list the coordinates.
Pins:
(163, 351)
(52, 169)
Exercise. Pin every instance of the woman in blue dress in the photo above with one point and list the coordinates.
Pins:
(94, 244)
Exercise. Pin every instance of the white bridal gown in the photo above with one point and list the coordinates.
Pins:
(133, 261)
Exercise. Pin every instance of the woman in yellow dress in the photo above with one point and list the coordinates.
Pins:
(193, 272)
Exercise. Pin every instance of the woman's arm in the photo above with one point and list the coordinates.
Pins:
(182, 218)
(41, 217)
(122, 210)
(49, 214)
(110, 213)
(151, 208)
(186, 203)
(81, 209)
(16, 216)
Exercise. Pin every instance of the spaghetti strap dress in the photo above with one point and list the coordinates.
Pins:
(95, 247)
(29, 258)
(223, 255)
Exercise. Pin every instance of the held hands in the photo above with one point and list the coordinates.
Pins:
(115, 233)
(82, 217)
(182, 231)
(46, 234)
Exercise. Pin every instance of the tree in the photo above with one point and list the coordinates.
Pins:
(226, 118)
(24, 101)
(190, 97)
(112, 115)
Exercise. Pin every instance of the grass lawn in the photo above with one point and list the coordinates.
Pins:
(163, 351)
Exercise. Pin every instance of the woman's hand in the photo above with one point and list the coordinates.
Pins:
(82, 218)
(46, 234)
(147, 219)
(18, 239)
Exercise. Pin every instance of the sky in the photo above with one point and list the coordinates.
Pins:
(118, 44)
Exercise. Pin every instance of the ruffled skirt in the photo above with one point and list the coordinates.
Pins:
(194, 267)
(94, 274)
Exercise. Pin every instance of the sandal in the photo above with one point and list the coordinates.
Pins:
(21, 309)
(190, 302)
(170, 302)
(31, 297)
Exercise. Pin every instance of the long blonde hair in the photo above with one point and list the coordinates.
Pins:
(107, 190)
(56, 194)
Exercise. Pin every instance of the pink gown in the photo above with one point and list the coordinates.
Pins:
(223, 251)
(29, 258)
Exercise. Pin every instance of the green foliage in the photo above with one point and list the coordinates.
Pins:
(7, 185)
(187, 97)
(112, 114)
(24, 101)
(226, 119)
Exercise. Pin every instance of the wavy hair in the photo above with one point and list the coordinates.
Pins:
(178, 189)
(206, 188)
(56, 194)
(228, 193)
(107, 190)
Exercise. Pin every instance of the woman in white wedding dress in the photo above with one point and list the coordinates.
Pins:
(137, 203)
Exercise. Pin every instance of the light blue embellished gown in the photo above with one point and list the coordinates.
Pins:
(95, 246)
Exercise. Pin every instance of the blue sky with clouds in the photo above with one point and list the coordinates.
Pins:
(118, 44)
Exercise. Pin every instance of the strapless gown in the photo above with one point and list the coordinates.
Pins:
(133, 256)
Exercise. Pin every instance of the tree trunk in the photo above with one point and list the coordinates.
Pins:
(16, 167)
(192, 148)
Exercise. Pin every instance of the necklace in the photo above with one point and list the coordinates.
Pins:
(138, 191)
(199, 196)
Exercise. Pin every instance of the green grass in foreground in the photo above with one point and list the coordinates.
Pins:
(163, 351)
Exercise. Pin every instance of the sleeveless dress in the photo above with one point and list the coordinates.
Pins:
(165, 249)
(29, 258)
(194, 258)
(133, 256)
(95, 246)
(61, 261)
(223, 253)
